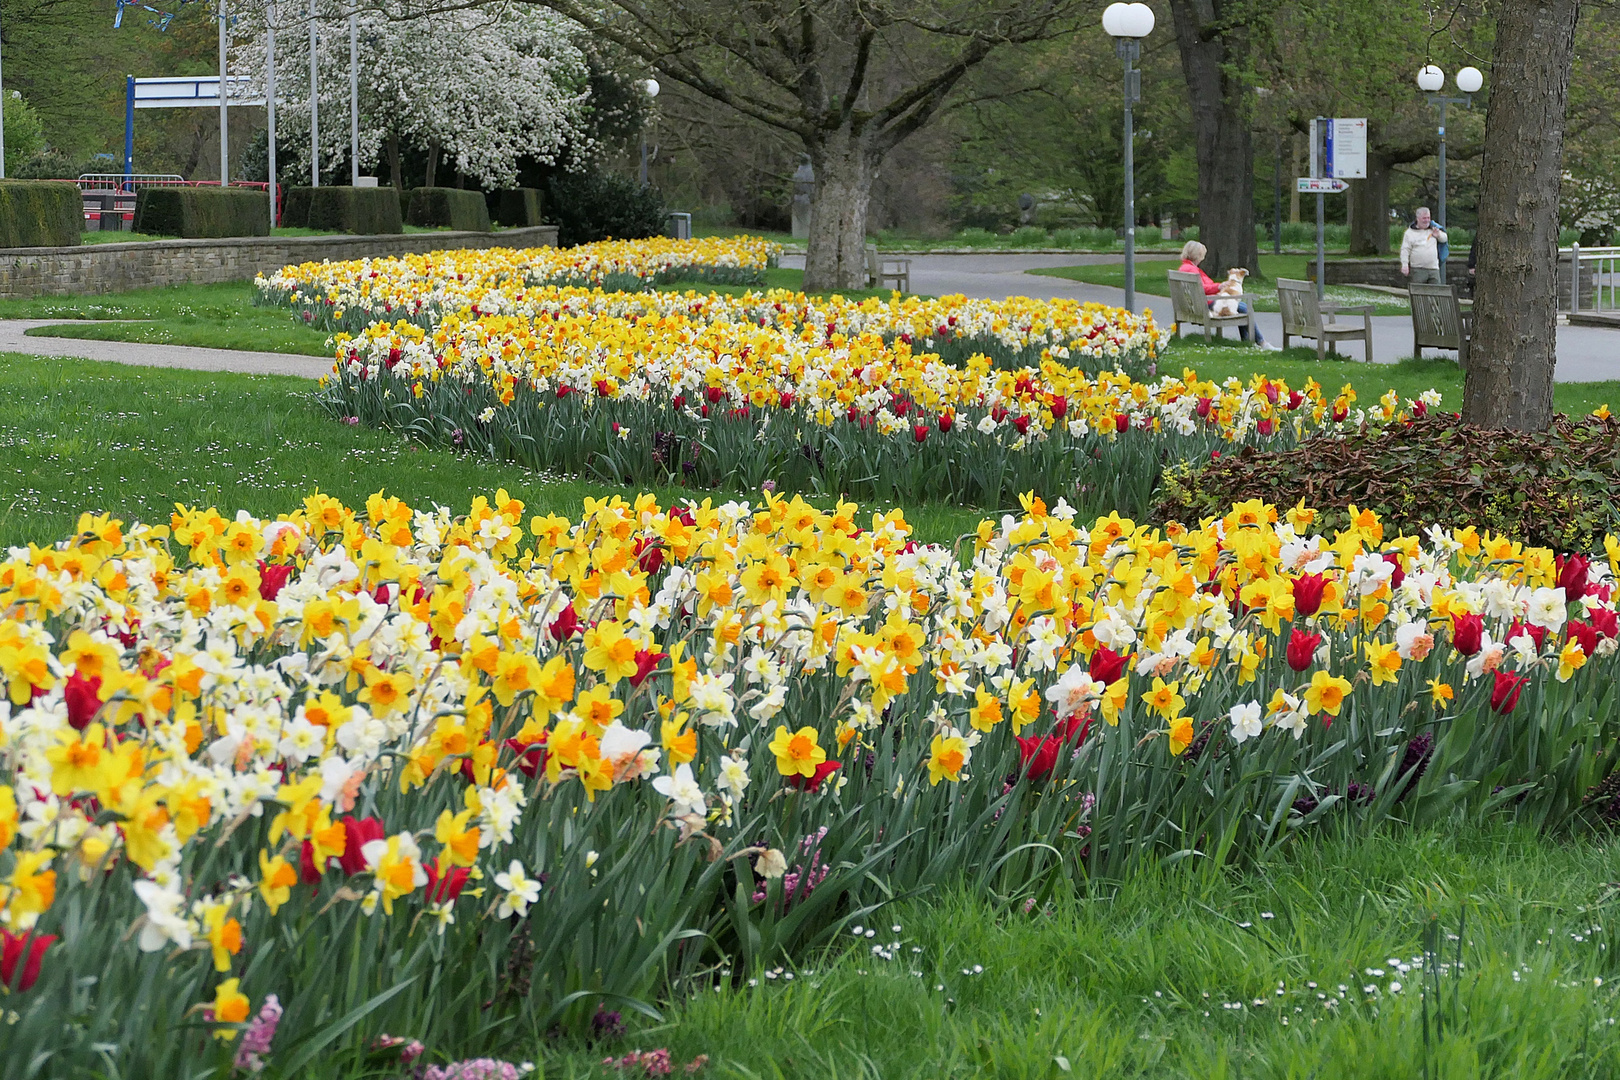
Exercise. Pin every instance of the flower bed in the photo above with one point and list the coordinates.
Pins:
(450, 782)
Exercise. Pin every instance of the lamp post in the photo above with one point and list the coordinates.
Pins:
(651, 89)
(1128, 24)
(1431, 80)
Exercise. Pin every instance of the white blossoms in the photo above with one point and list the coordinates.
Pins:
(682, 789)
(520, 891)
(1246, 721)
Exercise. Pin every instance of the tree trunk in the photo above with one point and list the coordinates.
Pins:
(1225, 149)
(1299, 170)
(1369, 209)
(433, 160)
(835, 256)
(1509, 382)
(396, 169)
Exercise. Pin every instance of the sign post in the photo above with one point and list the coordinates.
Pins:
(1320, 147)
(1338, 153)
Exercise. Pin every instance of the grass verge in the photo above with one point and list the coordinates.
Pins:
(1151, 279)
(1309, 966)
(78, 435)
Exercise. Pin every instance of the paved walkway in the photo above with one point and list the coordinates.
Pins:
(12, 339)
(1585, 354)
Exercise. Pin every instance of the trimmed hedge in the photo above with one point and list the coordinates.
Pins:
(1552, 488)
(515, 207)
(460, 209)
(588, 207)
(295, 208)
(361, 211)
(202, 212)
(39, 213)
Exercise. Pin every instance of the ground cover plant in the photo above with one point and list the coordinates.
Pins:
(645, 743)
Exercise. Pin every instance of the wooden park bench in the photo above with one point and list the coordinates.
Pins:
(1439, 321)
(1303, 315)
(1190, 307)
(879, 271)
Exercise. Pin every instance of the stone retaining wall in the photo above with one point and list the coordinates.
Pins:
(103, 268)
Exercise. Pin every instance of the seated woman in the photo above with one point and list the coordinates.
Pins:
(1192, 253)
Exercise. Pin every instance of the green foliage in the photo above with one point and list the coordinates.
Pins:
(359, 211)
(202, 212)
(1553, 489)
(593, 206)
(37, 213)
(25, 135)
(440, 207)
(295, 208)
(516, 207)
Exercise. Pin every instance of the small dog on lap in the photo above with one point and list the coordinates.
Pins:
(1230, 293)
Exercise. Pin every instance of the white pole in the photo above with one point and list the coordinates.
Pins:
(314, 106)
(270, 103)
(2, 129)
(354, 97)
(224, 115)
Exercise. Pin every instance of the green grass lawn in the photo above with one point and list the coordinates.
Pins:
(1409, 378)
(1308, 966)
(79, 435)
(1151, 279)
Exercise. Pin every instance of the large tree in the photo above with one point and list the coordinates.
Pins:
(850, 79)
(1215, 41)
(1509, 383)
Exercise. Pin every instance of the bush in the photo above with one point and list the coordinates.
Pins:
(1029, 236)
(436, 207)
(202, 212)
(515, 207)
(39, 213)
(295, 208)
(1554, 489)
(361, 211)
(588, 207)
(1085, 237)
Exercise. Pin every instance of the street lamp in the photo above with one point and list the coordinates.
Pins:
(1431, 80)
(650, 88)
(1128, 24)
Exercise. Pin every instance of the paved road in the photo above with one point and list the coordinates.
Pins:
(12, 339)
(1585, 354)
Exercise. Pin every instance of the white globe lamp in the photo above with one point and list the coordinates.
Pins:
(1469, 80)
(651, 86)
(1431, 79)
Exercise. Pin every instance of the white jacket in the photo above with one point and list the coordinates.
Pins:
(1421, 249)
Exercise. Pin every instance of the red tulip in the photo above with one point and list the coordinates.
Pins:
(1584, 633)
(564, 625)
(1302, 649)
(1022, 424)
(1467, 633)
(1308, 593)
(1060, 406)
(714, 394)
(1505, 694)
(785, 400)
(308, 872)
(273, 578)
(531, 757)
(1538, 634)
(1605, 622)
(813, 783)
(444, 886)
(1266, 426)
(1106, 665)
(646, 664)
(919, 432)
(649, 556)
(83, 698)
(1122, 422)
(945, 421)
(29, 948)
(1573, 574)
(357, 833)
(1394, 559)
(1038, 755)
(1203, 407)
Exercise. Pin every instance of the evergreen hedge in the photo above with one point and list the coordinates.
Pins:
(361, 211)
(462, 210)
(295, 208)
(40, 213)
(202, 212)
(588, 207)
(515, 207)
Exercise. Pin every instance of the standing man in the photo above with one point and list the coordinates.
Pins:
(1420, 250)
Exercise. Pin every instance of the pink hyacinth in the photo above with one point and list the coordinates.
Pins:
(476, 1069)
(652, 1063)
(256, 1042)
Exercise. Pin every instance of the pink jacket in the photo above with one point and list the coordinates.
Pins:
(1190, 267)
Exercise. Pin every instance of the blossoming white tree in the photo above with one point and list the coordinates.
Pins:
(481, 87)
